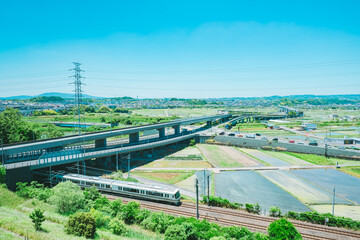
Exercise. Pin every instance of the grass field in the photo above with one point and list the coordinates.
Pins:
(170, 177)
(220, 156)
(178, 164)
(288, 158)
(14, 217)
(322, 160)
(352, 212)
(354, 171)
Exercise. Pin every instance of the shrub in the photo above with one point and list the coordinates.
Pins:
(236, 232)
(33, 190)
(275, 212)
(157, 222)
(81, 224)
(117, 227)
(67, 197)
(192, 142)
(129, 212)
(175, 232)
(103, 204)
(283, 229)
(37, 217)
(142, 215)
(253, 208)
(218, 238)
(101, 219)
(91, 193)
(2, 174)
(116, 207)
(220, 202)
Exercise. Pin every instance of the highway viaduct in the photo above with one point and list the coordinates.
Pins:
(21, 159)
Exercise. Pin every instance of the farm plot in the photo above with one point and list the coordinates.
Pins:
(251, 187)
(265, 157)
(178, 164)
(288, 158)
(170, 177)
(303, 190)
(224, 156)
(346, 186)
(188, 183)
(352, 212)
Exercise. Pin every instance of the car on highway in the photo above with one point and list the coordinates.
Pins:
(313, 143)
(240, 135)
(275, 140)
(222, 133)
(231, 134)
(301, 143)
(263, 138)
(291, 141)
(258, 134)
(250, 135)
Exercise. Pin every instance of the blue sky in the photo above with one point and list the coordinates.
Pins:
(181, 48)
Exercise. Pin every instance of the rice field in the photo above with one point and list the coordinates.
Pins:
(265, 157)
(250, 187)
(352, 212)
(288, 158)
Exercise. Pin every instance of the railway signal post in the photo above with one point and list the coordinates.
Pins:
(333, 203)
(129, 165)
(208, 190)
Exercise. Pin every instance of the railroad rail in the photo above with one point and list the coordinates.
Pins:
(229, 217)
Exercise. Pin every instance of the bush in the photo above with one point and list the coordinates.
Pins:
(236, 232)
(129, 212)
(253, 208)
(275, 212)
(2, 174)
(37, 217)
(283, 229)
(67, 197)
(116, 207)
(220, 202)
(142, 215)
(103, 204)
(117, 227)
(157, 222)
(81, 224)
(192, 142)
(175, 232)
(33, 190)
(91, 193)
(101, 219)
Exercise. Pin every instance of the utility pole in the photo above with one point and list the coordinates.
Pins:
(78, 92)
(208, 192)
(204, 187)
(197, 198)
(129, 165)
(333, 203)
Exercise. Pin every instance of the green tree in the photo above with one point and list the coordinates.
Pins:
(81, 224)
(275, 212)
(282, 229)
(13, 128)
(37, 217)
(52, 131)
(68, 197)
(104, 109)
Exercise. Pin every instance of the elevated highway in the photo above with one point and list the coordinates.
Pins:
(34, 150)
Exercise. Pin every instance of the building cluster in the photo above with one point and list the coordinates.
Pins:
(28, 108)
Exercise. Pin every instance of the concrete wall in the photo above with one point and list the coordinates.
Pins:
(13, 176)
(291, 147)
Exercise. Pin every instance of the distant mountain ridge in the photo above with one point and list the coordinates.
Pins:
(52, 94)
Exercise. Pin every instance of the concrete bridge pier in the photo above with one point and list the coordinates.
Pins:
(134, 137)
(161, 132)
(100, 143)
(177, 129)
(208, 124)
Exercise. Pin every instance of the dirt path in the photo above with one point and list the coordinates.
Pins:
(239, 157)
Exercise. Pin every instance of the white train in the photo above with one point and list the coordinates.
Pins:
(130, 189)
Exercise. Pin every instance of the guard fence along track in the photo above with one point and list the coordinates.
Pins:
(228, 217)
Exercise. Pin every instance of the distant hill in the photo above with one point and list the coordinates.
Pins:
(50, 94)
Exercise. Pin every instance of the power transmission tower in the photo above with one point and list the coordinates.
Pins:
(78, 92)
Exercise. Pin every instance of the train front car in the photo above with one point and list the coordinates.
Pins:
(129, 189)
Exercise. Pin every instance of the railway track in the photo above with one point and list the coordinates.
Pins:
(260, 223)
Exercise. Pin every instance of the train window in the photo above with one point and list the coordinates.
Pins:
(154, 193)
(102, 185)
(107, 186)
(119, 188)
(81, 182)
(97, 185)
(131, 190)
(88, 183)
(166, 195)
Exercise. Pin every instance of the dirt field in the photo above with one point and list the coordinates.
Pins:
(166, 177)
(224, 156)
(188, 183)
(178, 164)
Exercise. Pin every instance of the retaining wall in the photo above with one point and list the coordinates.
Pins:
(291, 147)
